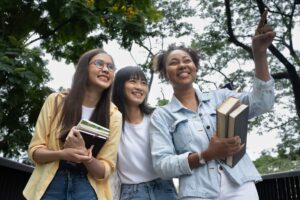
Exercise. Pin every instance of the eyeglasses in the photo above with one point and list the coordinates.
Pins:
(100, 65)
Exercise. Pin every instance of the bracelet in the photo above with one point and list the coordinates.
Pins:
(201, 159)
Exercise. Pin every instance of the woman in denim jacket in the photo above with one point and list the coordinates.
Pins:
(183, 140)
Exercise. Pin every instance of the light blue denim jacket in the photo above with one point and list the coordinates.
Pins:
(176, 131)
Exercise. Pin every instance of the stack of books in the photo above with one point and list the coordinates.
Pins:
(93, 134)
(232, 120)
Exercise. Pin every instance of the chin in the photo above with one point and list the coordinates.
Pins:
(104, 85)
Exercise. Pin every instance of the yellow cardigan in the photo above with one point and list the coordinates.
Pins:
(46, 136)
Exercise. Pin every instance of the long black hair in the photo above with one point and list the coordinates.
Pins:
(118, 95)
(72, 104)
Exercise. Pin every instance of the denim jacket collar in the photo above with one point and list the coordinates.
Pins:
(176, 105)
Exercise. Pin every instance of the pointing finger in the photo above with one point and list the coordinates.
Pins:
(263, 19)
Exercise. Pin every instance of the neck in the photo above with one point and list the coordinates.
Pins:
(188, 98)
(91, 98)
(134, 114)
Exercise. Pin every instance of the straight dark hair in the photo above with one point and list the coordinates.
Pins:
(72, 103)
(118, 95)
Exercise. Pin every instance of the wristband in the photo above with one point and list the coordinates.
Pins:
(201, 159)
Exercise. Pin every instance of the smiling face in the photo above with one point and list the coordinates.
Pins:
(180, 69)
(135, 91)
(100, 78)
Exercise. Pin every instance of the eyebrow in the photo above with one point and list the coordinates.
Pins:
(184, 57)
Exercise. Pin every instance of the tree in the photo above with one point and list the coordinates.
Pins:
(269, 164)
(226, 41)
(64, 29)
(22, 80)
(172, 24)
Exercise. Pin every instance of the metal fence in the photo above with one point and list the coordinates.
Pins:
(13, 178)
(278, 186)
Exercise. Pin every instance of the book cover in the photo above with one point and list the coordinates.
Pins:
(238, 125)
(92, 127)
(222, 115)
(93, 134)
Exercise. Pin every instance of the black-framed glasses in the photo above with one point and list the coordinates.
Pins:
(100, 65)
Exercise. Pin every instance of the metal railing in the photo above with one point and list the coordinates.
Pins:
(277, 186)
(13, 178)
(280, 186)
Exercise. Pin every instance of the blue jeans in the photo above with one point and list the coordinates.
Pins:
(153, 190)
(69, 185)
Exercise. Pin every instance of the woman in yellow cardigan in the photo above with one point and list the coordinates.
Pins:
(64, 168)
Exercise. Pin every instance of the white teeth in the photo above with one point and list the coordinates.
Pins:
(183, 74)
(102, 77)
(138, 94)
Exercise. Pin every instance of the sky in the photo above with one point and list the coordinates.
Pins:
(62, 77)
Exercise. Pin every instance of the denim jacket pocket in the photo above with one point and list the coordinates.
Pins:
(209, 119)
(182, 135)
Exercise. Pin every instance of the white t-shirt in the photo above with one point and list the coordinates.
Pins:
(86, 112)
(134, 156)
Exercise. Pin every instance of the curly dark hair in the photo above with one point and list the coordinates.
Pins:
(159, 60)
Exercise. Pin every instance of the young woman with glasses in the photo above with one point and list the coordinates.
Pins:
(64, 167)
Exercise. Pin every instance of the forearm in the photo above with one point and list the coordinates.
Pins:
(261, 66)
(194, 161)
(96, 168)
(43, 155)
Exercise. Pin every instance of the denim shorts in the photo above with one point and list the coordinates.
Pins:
(69, 185)
(153, 190)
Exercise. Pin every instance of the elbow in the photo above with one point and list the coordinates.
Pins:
(162, 171)
(269, 104)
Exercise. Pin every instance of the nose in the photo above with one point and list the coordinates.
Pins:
(138, 85)
(182, 65)
(105, 68)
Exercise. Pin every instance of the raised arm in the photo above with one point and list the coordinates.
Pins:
(262, 39)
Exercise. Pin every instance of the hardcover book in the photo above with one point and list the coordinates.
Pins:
(223, 114)
(93, 134)
(238, 125)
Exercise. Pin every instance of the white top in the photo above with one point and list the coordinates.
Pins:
(134, 157)
(86, 112)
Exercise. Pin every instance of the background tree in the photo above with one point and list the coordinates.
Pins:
(226, 42)
(63, 29)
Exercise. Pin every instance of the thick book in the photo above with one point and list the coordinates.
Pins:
(223, 112)
(93, 134)
(238, 125)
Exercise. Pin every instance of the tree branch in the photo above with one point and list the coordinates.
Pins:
(232, 38)
(50, 32)
(281, 75)
(291, 70)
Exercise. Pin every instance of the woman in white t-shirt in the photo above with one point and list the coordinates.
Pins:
(134, 165)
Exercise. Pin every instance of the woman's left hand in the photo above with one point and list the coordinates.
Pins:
(264, 35)
(74, 140)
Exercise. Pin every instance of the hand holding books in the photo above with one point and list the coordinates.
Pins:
(232, 121)
(75, 147)
(74, 139)
(93, 135)
(220, 148)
